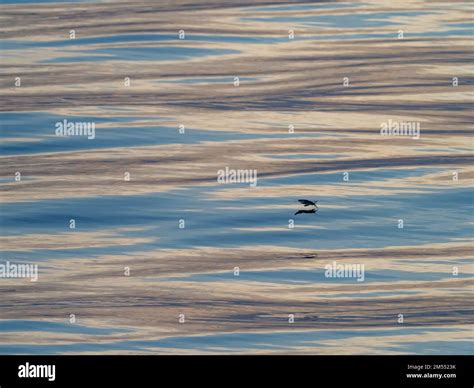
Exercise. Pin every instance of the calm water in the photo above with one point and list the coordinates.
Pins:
(220, 268)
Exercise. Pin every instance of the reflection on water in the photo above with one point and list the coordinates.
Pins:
(315, 276)
(236, 91)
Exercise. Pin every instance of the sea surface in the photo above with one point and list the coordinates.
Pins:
(165, 259)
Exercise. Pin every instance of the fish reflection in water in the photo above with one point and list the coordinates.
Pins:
(311, 211)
